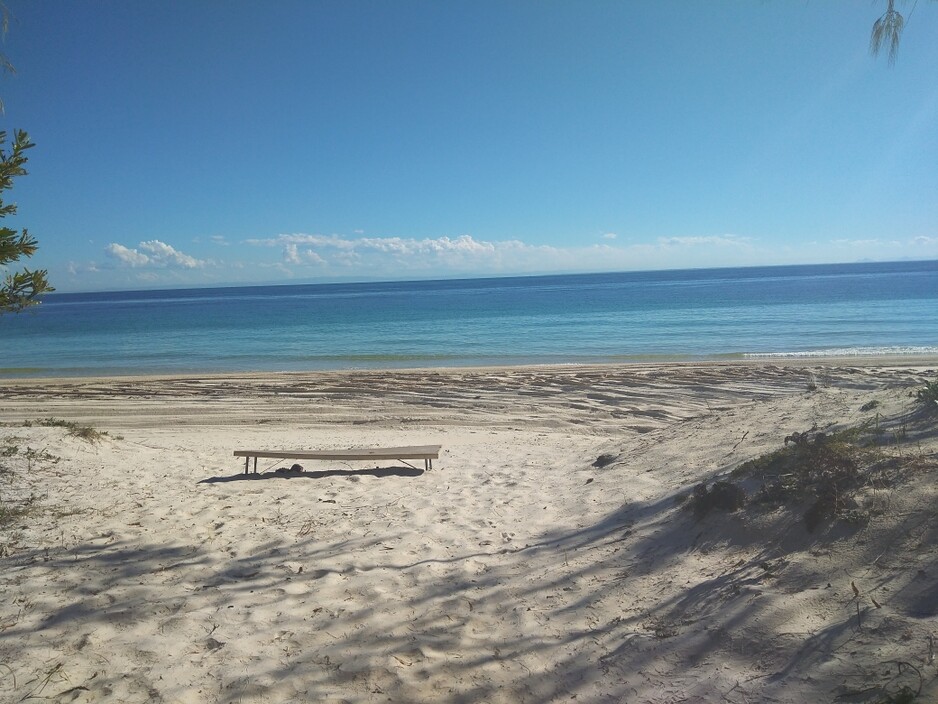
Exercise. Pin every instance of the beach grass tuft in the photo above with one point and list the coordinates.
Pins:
(928, 396)
(11, 512)
(85, 432)
(15, 504)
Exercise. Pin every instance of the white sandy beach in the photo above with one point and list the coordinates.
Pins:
(152, 570)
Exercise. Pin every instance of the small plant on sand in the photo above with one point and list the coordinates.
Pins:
(16, 505)
(928, 396)
(85, 432)
(11, 512)
(12, 509)
(825, 470)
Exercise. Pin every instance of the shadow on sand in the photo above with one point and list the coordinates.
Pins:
(601, 613)
(380, 472)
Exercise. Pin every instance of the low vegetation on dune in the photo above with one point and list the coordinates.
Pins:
(826, 475)
(85, 432)
(862, 492)
(928, 396)
(16, 505)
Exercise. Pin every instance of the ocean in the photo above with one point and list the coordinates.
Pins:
(700, 314)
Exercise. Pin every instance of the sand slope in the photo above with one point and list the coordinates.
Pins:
(515, 571)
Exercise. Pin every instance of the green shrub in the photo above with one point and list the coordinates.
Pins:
(824, 469)
(928, 395)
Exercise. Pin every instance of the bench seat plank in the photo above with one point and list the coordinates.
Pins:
(414, 452)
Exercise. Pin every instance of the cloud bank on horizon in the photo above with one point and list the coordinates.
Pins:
(317, 257)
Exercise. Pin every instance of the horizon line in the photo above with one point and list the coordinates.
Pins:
(352, 280)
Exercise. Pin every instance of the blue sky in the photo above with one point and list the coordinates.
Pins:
(226, 142)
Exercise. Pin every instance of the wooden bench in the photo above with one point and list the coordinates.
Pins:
(427, 453)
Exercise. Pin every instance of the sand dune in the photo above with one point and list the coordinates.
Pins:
(152, 569)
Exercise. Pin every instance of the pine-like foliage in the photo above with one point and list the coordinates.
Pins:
(887, 31)
(20, 289)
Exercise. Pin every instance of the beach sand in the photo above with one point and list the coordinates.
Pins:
(151, 569)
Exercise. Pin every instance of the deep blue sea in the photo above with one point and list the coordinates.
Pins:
(796, 311)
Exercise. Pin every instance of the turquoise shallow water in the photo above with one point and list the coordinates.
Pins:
(856, 309)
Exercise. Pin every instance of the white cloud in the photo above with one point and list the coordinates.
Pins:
(154, 254)
(709, 240)
(345, 252)
(81, 269)
(355, 256)
(293, 255)
(130, 257)
(343, 256)
(336, 255)
(857, 243)
(440, 245)
(166, 255)
(312, 240)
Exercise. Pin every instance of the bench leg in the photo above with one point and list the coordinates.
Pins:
(255, 465)
(246, 461)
